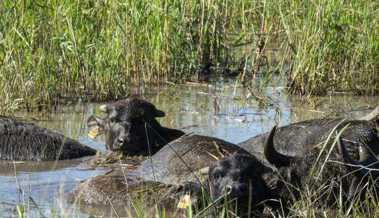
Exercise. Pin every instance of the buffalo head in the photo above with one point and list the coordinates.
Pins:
(239, 178)
(337, 169)
(130, 126)
(131, 108)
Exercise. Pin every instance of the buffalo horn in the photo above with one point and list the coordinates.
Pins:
(273, 156)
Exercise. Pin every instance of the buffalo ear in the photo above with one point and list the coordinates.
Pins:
(95, 121)
(159, 113)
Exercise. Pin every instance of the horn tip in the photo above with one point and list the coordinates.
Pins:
(103, 108)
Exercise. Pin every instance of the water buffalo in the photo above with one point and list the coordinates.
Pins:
(298, 139)
(340, 172)
(293, 151)
(25, 141)
(240, 178)
(332, 172)
(182, 164)
(179, 161)
(130, 126)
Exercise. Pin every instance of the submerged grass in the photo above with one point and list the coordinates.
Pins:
(95, 49)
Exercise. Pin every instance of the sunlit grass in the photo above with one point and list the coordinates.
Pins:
(95, 49)
(334, 45)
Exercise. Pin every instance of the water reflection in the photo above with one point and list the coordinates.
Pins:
(224, 111)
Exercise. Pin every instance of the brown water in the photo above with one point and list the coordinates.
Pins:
(221, 110)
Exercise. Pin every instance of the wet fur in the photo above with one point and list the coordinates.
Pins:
(165, 168)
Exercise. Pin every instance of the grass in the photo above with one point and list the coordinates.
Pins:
(96, 49)
(306, 206)
(51, 49)
(334, 45)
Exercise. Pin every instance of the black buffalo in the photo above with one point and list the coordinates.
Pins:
(130, 126)
(342, 170)
(298, 139)
(26, 141)
(277, 180)
(189, 164)
(240, 179)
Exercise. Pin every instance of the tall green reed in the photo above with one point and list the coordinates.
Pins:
(96, 49)
(51, 49)
(333, 45)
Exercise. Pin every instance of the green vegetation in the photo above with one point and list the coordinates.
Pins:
(95, 49)
(334, 45)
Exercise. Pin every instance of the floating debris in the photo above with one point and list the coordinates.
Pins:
(184, 202)
(94, 132)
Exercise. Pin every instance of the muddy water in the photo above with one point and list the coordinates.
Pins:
(221, 110)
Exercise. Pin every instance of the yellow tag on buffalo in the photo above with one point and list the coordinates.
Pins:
(184, 202)
(93, 133)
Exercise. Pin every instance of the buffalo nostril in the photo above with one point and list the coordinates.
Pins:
(120, 141)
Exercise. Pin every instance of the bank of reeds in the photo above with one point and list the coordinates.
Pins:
(53, 49)
(334, 45)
